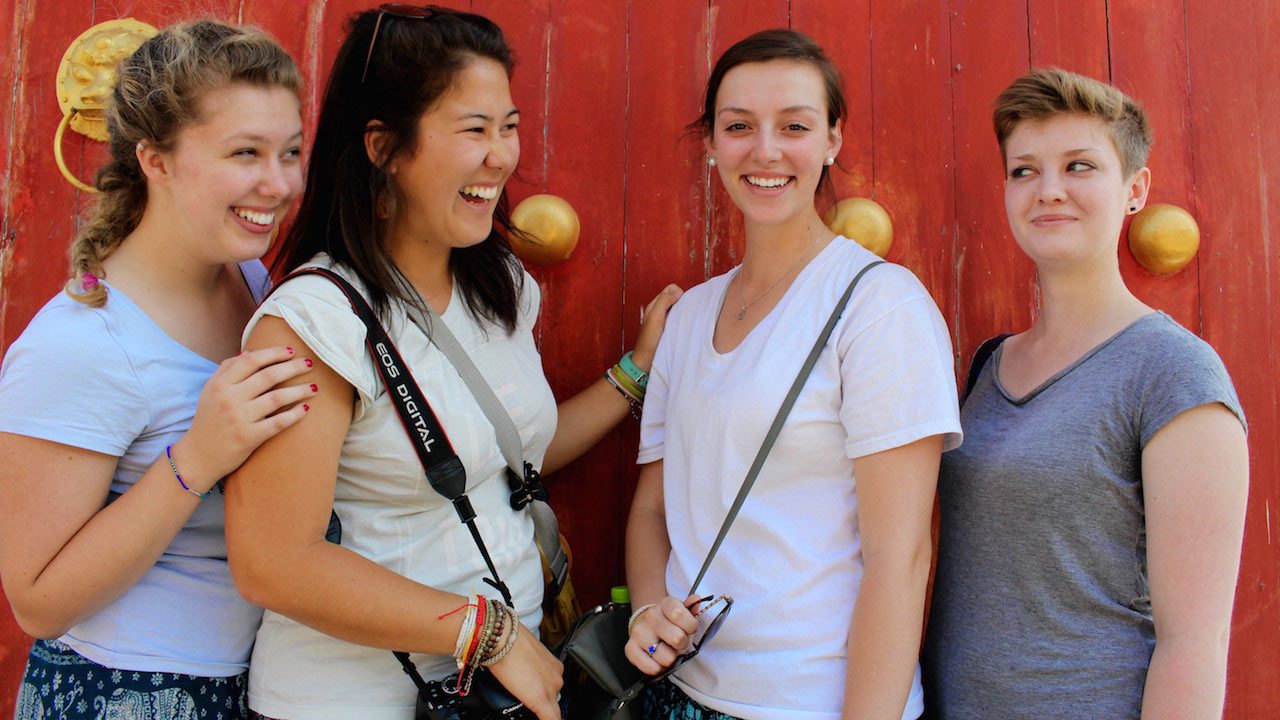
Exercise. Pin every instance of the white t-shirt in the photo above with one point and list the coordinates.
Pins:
(389, 512)
(792, 560)
(110, 380)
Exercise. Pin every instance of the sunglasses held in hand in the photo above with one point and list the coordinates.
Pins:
(700, 607)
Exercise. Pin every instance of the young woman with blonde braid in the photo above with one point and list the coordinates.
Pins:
(127, 398)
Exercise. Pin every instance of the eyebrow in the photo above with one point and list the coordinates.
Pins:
(487, 118)
(743, 111)
(1069, 153)
(256, 138)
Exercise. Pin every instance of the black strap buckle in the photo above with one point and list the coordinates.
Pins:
(527, 489)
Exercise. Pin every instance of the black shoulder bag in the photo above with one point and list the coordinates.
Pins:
(979, 361)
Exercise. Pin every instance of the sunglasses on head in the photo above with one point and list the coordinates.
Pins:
(398, 10)
(700, 607)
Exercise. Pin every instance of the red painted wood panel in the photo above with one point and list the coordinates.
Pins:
(843, 29)
(606, 89)
(1149, 61)
(1239, 308)
(1071, 34)
(994, 280)
(582, 305)
(913, 153)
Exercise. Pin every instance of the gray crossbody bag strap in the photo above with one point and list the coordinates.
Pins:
(546, 528)
(772, 436)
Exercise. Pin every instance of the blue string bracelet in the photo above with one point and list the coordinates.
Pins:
(633, 371)
(168, 452)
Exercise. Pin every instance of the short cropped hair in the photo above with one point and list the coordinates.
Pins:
(1044, 93)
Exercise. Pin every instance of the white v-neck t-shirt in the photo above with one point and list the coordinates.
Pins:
(792, 560)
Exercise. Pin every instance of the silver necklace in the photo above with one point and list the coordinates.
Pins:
(742, 297)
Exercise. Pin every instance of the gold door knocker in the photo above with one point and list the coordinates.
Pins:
(87, 76)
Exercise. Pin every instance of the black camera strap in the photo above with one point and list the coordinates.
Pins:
(439, 460)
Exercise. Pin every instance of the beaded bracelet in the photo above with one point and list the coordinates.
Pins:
(168, 452)
(633, 402)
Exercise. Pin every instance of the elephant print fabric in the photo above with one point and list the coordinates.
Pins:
(61, 684)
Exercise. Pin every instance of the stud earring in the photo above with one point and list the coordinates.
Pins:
(831, 160)
(1133, 208)
(711, 162)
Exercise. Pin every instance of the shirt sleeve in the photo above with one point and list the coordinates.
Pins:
(897, 376)
(1185, 375)
(67, 379)
(653, 420)
(315, 308)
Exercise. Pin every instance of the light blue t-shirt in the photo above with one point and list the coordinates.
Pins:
(110, 380)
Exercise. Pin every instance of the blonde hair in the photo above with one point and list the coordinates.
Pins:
(157, 93)
(1047, 92)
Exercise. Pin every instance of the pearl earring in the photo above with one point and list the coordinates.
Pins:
(831, 160)
(711, 162)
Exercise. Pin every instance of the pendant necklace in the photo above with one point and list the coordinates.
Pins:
(742, 312)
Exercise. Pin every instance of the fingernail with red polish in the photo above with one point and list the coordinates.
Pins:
(306, 407)
(307, 361)
(289, 350)
(314, 388)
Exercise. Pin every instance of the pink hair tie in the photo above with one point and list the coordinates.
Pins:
(88, 281)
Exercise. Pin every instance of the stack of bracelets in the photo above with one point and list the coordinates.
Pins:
(627, 378)
(480, 641)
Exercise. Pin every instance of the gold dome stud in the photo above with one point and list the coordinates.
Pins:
(863, 220)
(553, 225)
(1164, 238)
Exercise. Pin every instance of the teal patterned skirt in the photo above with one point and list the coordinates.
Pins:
(665, 701)
(61, 684)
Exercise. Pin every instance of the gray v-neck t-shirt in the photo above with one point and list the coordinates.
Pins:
(1041, 605)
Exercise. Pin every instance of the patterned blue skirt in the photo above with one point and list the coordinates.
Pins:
(61, 684)
(665, 701)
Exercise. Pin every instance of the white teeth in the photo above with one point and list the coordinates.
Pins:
(767, 182)
(481, 191)
(257, 218)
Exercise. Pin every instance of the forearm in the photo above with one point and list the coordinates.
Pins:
(1187, 679)
(648, 546)
(583, 420)
(108, 555)
(343, 594)
(884, 640)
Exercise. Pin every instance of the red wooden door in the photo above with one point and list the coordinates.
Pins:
(605, 89)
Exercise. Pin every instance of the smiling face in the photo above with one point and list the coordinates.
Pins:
(466, 149)
(1065, 192)
(770, 138)
(232, 174)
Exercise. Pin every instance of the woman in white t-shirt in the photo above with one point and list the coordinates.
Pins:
(828, 560)
(416, 139)
(127, 397)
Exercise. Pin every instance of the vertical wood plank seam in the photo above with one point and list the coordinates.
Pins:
(624, 237)
(707, 173)
(1030, 45)
(546, 101)
(871, 88)
(1191, 145)
(957, 257)
(314, 49)
(1111, 73)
